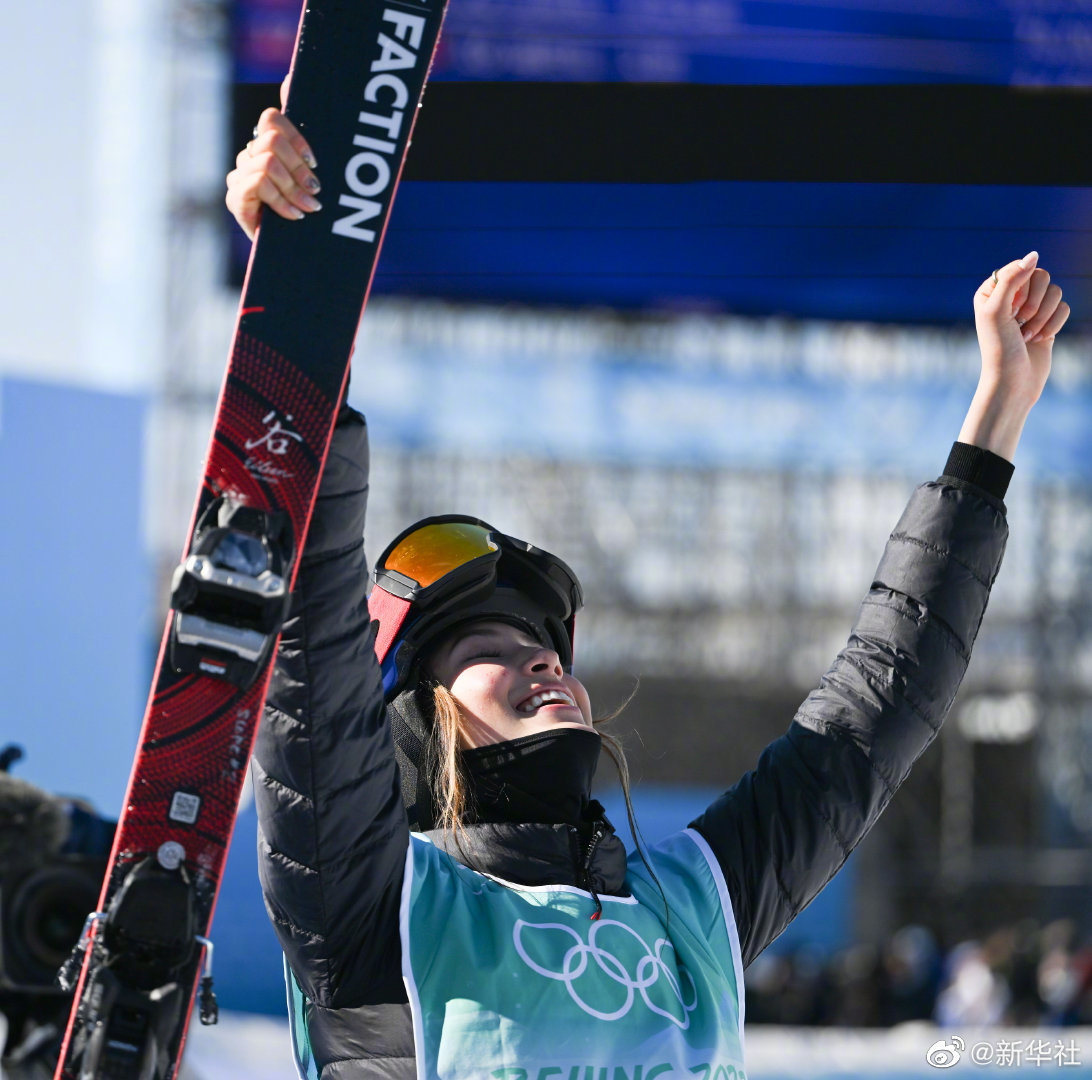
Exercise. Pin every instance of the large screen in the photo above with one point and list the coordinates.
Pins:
(1018, 42)
(809, 158)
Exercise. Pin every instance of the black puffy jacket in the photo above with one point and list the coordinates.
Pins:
(333, 834)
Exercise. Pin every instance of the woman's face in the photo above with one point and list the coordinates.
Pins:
(507, 683)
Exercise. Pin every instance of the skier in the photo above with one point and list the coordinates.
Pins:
(467, 910)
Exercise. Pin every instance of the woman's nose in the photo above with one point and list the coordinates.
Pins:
(544, 660)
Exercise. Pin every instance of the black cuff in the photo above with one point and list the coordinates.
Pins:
(973, 465)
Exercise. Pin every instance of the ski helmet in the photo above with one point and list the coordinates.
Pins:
(438, 574)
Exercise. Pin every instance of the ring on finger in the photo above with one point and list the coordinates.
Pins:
(254, 133)
(994, 273)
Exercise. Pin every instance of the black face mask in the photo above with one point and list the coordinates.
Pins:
(545, 777)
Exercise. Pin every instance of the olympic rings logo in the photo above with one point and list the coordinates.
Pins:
(651, 968)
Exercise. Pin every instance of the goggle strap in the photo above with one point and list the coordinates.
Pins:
(391, 611)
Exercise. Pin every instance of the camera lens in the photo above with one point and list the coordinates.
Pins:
(44, 917)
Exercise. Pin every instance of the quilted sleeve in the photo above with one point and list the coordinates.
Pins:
(332, 833)
(784, 830)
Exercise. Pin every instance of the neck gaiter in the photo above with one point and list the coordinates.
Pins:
(545, 777)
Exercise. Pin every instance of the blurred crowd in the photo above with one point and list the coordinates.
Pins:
(1024, 976)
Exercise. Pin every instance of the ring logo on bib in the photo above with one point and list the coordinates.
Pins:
(603, 983)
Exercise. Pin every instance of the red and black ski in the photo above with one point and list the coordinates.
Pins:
(358, 74)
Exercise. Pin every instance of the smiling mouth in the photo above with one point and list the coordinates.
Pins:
(546, 697)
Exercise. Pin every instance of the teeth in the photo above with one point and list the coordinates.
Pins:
(544, 699)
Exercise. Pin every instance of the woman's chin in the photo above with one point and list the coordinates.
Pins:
(549, 723)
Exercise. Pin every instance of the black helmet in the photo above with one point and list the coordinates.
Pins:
(444, 571)
(436, 575)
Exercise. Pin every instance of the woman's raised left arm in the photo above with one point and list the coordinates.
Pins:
(783, 831)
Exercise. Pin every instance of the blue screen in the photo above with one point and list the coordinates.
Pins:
(726, 41)
(910, 253)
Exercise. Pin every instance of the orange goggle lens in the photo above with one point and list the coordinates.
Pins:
(432, 551)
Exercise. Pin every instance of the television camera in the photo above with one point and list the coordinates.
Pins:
(53, 856)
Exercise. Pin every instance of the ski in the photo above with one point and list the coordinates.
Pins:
(358, 74)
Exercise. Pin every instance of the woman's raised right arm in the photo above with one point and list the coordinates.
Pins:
(332, 833)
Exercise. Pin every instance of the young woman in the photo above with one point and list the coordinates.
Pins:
(508, 935)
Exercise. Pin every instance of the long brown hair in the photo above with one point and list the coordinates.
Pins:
(450, 792)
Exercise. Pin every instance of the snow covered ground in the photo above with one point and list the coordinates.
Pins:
(249, 1047)
(242, 1046)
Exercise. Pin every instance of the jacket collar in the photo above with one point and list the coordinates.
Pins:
(534, 854)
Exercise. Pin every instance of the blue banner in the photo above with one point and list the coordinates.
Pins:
(75, 593)
(620, 409)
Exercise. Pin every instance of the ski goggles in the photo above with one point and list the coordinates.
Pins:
(448, 570)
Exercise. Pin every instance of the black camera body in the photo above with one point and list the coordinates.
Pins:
(44, 901)
(53, 857)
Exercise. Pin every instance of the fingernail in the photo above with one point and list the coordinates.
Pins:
(309, 158)
(311, 204)
(312, 184)
(1030, 259)
(1028, 335)
(297, 213)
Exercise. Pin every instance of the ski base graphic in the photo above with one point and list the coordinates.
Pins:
(145, 955)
